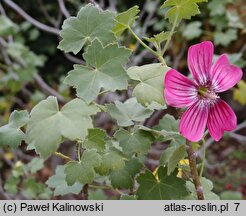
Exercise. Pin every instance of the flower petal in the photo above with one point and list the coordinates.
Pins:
(224, 75)
(179, 90)
(221, 118)
(200, 58)
(193, 121)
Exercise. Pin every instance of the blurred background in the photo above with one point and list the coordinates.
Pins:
(31, 68)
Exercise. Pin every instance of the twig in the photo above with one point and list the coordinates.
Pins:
(46, 13)
(238, 137)
(112, 5)
(193, 169)
(36, 23)
(63, 8)
(47, 89)
(73, 59)
(2, 11)
(59, 154)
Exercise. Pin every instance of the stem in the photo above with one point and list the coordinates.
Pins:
(193, 169)
(160, 58)
(59, 154)
(203, 157)
(79, 145)
(103, 187)
(170, 35)
(34, 22)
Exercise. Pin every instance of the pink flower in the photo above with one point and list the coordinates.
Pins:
(205, 108)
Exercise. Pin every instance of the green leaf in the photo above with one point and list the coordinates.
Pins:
(35, 165)
(124, 178)
(168, 123)
(97, 195)
(48, 125)
(11, 184)
(178, 154)
(112, 159)
(90, 23)
(83, 171)
(166, 154)
(32, 189)
(127, 112)
(207, 186)
(137, 142)
(104, 70)
(158, 38)
(156, 106)
(162, 188)
(125, 20)
(219, 22)
(181, 9)
(95, 139)
(7, 27)
(225, 38)
(168, 128)
(11, 134)
(163, 135)
(59, 183)
(192, 30)
(150, 83)
(21, 53)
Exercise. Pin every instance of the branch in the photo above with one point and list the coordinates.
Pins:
(2, 11)
(63, 8)
(73, 59)
(193, 169)
(36, 23)
(46, 13)
(47, 89)
(112, 5)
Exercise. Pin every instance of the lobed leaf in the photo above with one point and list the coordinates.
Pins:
(112, 159)
(95, 139)
(125, 20)
(127, 112)
(11, 134)
(7, 27)
(90, 23)
(181, 9)
(162, 188)
(48, 125)
(104, 70)
(83, 171)
(137, 142)
(58, 182)
(150, 79)
(124, 178)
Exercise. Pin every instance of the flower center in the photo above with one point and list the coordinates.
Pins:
(207, 94)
